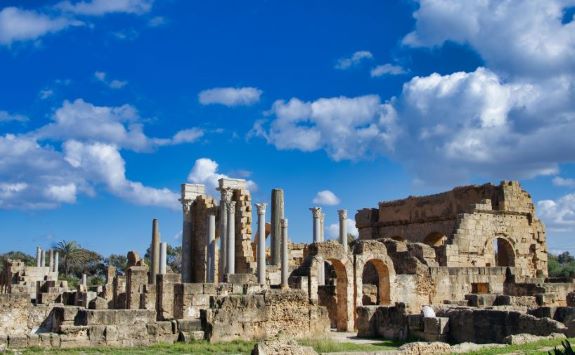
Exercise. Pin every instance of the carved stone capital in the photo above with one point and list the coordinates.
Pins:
(226, 195)
(186, 205)
(231, 206)
(261, 207)
(316, 212)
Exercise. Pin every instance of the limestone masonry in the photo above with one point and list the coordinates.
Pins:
(467, 265)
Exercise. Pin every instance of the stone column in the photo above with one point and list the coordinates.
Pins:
(231, 232)
(321, 225)
(285, 253)
(51, 259)
(84, 280)
(277, 215)
(211, 246)
(43, 258)
(316, 213)
(343, 228)
(163, 258)
(56, 262)
(261, 247)
(38, 256)
(226, 197)
(155, 252)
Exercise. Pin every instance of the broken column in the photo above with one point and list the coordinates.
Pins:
(285, 252)
(56, 262)
(163, 258)
(261, 247)
(277, 215)
(38, 256)
(189, 192)
(51, 260)
(211, 245)
(316, 213)
(155, 253)
(343, 228)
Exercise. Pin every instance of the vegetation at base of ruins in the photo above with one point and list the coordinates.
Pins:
(334, 346)
(537, 347)
(562, 265)
(27, 259)
(196, 347)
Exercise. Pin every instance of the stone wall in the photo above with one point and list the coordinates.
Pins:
(264, 315)
(199, 241)
(245, 260)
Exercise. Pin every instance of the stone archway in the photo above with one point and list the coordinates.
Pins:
(337, 294)
(503, 252)
(376, 286)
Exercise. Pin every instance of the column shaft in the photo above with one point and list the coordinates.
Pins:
(343, 228)
(261, 247)
(186, 241)
(285, 254)
(43, 259)
(155, 252)
(277, 215)
(231, 263)
(51, 259)
(316, 212)
(163, 258)
(57, 262)
(38, 256)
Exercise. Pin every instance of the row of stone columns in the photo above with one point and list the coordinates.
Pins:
(53, 259)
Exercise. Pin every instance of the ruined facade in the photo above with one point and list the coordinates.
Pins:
(470, 226)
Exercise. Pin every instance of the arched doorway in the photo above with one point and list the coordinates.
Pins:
(503, 253)
(376, 284)
(334, 294)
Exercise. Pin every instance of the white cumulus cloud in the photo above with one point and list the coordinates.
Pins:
(558, 214)
(326, 198)
(7, 117)
(230, 96)
(355, 59)
(563, 182)
(103, 7)
(112, 84)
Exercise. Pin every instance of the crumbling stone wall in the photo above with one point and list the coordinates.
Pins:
(462, 225)
(245, 260)
(199, 241)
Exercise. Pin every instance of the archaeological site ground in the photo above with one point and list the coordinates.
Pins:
(469, 265)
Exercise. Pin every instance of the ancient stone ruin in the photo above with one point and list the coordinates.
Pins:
(467, 265)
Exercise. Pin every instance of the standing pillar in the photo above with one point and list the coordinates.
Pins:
(343, 229)
(316, 213)
(84, 280)
(56, 263)
(285, 253)
(38, 256)
(51, 260)
(261, 250)
(225, 199)
(277, 215)
(321, 224)
(155, 251)
(43, 259)
(211, 246)
(231, 245)
(163, 258)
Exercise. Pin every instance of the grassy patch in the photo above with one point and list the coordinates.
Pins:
(538, 347)
(198, 347)
(333, 346)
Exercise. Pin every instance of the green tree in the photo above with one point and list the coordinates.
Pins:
(120, 262)
(77, 259)
(27, 259)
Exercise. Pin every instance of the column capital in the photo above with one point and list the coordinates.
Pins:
(226, 194)
(316, 211)
(231, 206)
(284, 222)
(261, 207)
(186, 205)
(342, 214)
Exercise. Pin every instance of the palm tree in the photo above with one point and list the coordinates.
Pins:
(68, 250)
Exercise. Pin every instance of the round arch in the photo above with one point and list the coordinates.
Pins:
(435, 239)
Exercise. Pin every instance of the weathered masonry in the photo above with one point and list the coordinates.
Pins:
(470, 226)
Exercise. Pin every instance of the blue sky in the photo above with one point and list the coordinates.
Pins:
(108, 106)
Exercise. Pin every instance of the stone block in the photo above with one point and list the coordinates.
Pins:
(210, 289)
(436, 325)
(415, 322)
(33, 340)
(189, 325)
(191, 336)
(17, 341)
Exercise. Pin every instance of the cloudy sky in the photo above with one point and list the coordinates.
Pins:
(107, 106)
